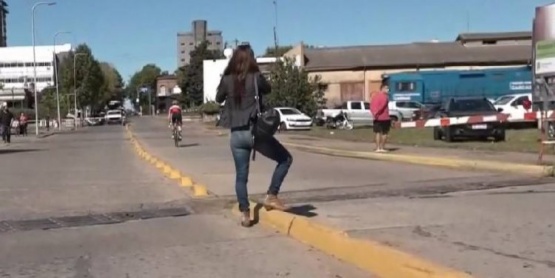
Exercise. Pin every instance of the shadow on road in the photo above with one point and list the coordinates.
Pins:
(189, 145)
(302, 210)
(10, 151)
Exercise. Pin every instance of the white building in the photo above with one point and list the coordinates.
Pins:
(16, 69)
(214, 69)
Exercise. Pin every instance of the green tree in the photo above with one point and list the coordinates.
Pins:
(292, 87)
(146, 77)
(87, 78)
(271, 51)
(190, 77)
(48, 103)
(113, 83)
(281, 50)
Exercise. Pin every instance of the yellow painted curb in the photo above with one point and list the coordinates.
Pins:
(175, 175)
(199, 190)
(373, 257)
(166, 169)
(481, 165)
(160, 164)
(186, 181)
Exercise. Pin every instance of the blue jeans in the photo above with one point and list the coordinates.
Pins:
(242, 144)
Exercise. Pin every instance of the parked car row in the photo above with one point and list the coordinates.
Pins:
(358, 113)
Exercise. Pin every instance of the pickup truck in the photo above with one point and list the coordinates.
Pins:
(407, 109)
(357, 111)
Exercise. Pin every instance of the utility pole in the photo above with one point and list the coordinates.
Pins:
(35, 62)
(275, 29)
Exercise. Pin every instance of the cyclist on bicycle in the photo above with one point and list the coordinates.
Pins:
(175, 117)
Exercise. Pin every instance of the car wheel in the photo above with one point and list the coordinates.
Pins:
(393, 119)
(500, 137)
(437, 134)
(283, 126)
(448, 135)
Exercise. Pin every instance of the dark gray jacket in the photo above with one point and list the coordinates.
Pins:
(240, 115)
(6, 117)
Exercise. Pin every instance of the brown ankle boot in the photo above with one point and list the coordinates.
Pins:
(246, 219)
(273, 202)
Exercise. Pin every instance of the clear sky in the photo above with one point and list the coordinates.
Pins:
(131, 33)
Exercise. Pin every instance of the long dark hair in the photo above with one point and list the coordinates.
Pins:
(240, 65)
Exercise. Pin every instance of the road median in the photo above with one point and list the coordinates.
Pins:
(374, 257)
(456, 163)
(196, 190)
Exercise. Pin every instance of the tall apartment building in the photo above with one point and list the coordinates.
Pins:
(3, 27)
(186, 42)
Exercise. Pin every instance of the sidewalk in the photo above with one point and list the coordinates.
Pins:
(524, 163)
(501, 233)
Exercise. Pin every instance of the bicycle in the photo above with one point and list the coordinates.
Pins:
(176, 135)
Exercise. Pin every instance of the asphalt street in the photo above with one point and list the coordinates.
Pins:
(488, 224)
(205, 154)
(82, 204)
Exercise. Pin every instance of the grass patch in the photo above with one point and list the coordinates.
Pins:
(522, 140)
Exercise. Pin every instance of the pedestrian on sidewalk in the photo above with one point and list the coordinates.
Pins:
(6, 120)
(379, 107)
(23, 124)
(238, 89)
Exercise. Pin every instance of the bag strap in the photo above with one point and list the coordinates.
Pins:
(257, 95)
(258, 112)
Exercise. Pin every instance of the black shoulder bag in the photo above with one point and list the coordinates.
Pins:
(266, 122)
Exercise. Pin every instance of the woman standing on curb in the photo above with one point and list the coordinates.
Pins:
(238, 89)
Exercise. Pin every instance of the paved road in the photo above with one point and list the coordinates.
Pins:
(487, 224)
(72, 183)
(207, 157)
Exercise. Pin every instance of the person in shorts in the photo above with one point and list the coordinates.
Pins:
(379, 107)
(175, 117)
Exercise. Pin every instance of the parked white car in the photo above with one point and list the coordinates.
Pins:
(512, 104)
(293, 119)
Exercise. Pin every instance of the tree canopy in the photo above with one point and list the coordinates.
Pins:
(113, 83)
(95, 82)
(281, 50)
(190, 77)
(292, 87)
(145, 77)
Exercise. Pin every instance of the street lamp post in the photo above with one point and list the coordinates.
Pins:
(75, 86)
(56, 77)
(35, 62)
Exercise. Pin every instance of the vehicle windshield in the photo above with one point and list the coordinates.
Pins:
(471, 105)
(113, 112)
(503, 100)
(290, 111)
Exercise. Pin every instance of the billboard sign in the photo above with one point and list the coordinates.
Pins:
(544, 40)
